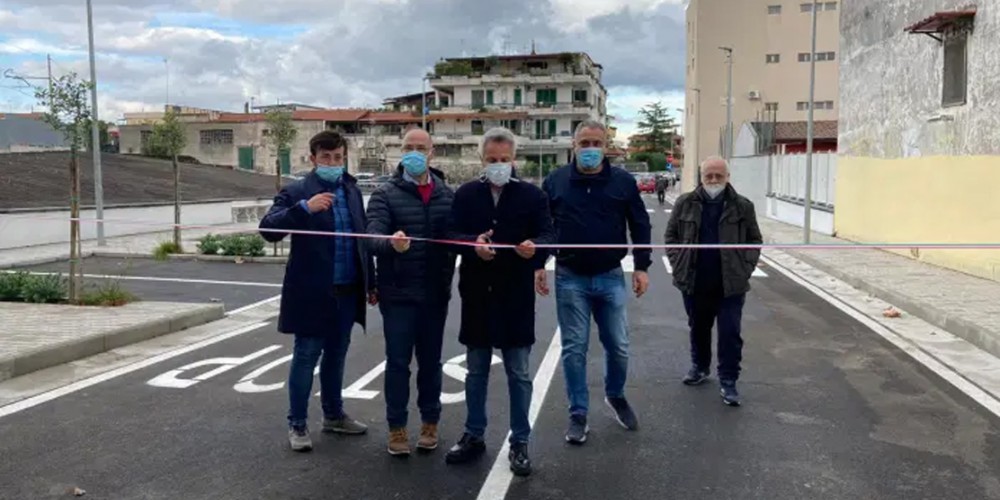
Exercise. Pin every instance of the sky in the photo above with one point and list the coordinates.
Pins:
(338, 53)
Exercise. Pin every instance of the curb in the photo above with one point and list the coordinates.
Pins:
(195, 257)
(76, 349)
(978, 336)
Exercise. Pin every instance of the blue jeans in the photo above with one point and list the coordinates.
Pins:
(515, 362)
(307, 351)
(604, 296)
(413, 328)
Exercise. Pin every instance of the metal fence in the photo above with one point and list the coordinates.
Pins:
(788, 178)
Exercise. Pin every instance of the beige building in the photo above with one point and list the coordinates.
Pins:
(540, 97)
(771, 49)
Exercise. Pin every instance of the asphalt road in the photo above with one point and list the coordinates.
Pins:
(829, 411)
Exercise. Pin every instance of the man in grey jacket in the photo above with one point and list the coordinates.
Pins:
(714, 281)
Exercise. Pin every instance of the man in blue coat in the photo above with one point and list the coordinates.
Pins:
(595, 204)
(327, 282)
(497, 289)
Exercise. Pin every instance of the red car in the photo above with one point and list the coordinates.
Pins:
(646, 184)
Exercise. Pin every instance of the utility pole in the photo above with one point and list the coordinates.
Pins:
(728, 142)
(807, 224)
(95, 134)
(166, 62)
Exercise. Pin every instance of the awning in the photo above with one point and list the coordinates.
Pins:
(939, 22)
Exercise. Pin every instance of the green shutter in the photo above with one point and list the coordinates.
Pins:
(517, 97)
(552, 128)
(246, 158)
(489, 97)
(286, 161)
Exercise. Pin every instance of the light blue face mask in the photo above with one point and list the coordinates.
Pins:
(498, 173)
(590, 158)
(415, 163)
(330, 174)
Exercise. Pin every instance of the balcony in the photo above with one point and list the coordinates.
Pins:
(537, 78)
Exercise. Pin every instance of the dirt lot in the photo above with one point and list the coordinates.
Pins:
(33, 180)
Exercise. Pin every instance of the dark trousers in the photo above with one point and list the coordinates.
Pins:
(704, 309)
(413, 329)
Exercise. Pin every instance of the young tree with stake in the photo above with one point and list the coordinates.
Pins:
(168, 135)
(69, 113)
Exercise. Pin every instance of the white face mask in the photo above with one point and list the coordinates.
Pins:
(498, 173)
(714, 190)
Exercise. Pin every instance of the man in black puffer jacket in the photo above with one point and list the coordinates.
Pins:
(414, 286)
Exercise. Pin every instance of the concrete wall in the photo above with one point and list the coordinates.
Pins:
(776, 186)
(911, 170)
(23, 229)
(749, 177)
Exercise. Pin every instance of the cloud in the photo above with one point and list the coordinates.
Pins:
(332, 52)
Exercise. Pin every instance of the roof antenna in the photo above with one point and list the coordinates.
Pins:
(533, 47)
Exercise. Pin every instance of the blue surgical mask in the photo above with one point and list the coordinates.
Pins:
(330, 174)
(498, 173)
(415, 163)
(590, 158)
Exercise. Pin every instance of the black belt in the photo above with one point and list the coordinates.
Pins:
(341, 290)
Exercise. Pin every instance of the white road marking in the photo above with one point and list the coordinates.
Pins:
(357, 389)
(168, 280)
(650, 210)
(498, 481)
(246, 384)
(24, 404)
(172, 379)
(927, 349)
(667, 210)
(757, 273)
(254, 305)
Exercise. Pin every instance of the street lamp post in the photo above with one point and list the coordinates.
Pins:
(807, 222)
(95, 134)
(729, 104)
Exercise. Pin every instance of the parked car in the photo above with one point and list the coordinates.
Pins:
(646, 183)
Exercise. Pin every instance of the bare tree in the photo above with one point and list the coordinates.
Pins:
(281, 135)
(69, 113)
(168, 136)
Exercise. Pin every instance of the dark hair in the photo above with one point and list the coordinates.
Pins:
(328, 140)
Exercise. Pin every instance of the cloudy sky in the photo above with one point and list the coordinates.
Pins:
(341, 53)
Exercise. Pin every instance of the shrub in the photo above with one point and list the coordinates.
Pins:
(11, 285)
(166, 248)
(110, 294)
(242, 245)
(210, 244)
(43, 289)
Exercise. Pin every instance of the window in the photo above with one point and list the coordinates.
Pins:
(517, 97)
(489, 97)
(830, 6)
(478, 98)
(770, 106)
(807, 7)
(804, 57)
(547, 96)
(580, 96)
(573, 125)
(477, 127)
(773, 58)
(828, 104)
(216, 137)
(545, 129)
(774, 10)
(802, 105)
(144, 137)
(825, 56)
(954, 86)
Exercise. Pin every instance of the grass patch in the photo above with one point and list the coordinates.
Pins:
(42, 288)
(110, 294)
(165, 249)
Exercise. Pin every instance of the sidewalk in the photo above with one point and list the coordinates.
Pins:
(140, 244)
(963, 305)
(37, 336)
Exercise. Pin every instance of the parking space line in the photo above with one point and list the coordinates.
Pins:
(500, 476)
(167, 280)
(33, 401)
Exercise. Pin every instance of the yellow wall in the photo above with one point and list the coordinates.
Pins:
(942, 199)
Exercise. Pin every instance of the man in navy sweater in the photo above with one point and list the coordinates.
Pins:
(593, 203)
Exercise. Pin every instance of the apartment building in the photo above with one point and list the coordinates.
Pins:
(771, 53)
(540, 97)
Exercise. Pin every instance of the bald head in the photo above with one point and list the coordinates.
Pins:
(418, 140)
(714, 170)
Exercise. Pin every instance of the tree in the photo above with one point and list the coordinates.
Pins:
(656, 128)
(282, 134)
(657, 162)
(69, 113)
(168, 137)
(105, 137)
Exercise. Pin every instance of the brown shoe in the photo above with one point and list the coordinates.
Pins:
(399, 442)
(428, 437)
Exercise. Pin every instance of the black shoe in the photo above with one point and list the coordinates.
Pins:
(695, 376)
(730, 396)
(623, 413)
(578, 429)
(520, 464)
(466, 450)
